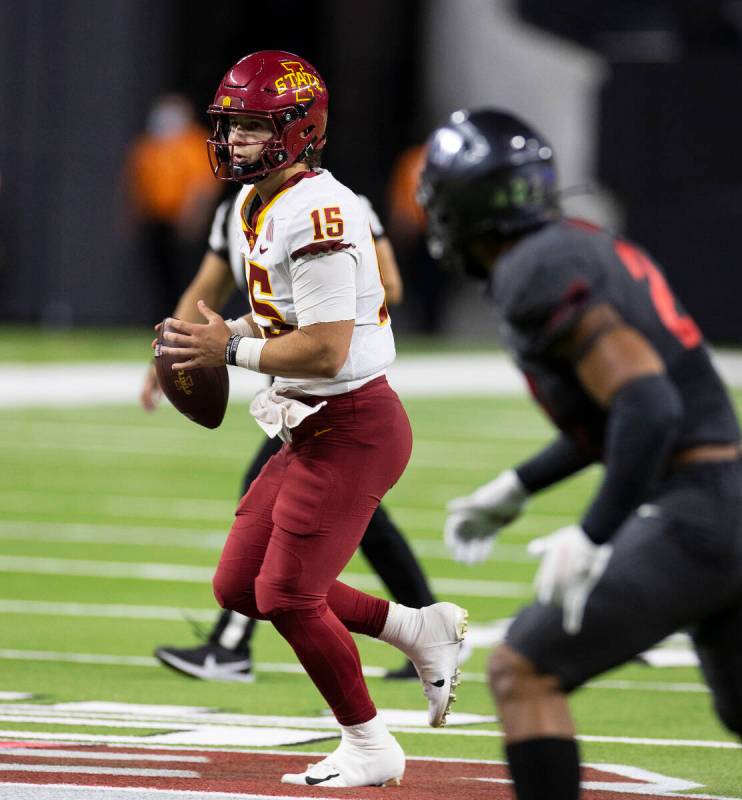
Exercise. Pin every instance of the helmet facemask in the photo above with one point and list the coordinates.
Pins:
(275, 153)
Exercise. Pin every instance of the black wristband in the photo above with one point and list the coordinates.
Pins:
(230, 354)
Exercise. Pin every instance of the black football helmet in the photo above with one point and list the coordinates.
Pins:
(486, 173)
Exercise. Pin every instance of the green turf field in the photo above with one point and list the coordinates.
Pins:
(89, 497)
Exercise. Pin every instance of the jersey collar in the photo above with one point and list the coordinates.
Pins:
(253, 212)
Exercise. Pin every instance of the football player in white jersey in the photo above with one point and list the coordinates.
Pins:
(319, 324)
(226, 654)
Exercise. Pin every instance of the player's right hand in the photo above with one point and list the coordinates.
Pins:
(474, 520)
(151, 394)
(571, 566)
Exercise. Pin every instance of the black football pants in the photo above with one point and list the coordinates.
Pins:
(676, 565)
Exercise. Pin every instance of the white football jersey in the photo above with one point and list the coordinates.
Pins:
(315, 215)
(226, 235)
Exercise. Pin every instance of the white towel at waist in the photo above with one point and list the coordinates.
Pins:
(277, 414)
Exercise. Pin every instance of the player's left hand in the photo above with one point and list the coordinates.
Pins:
(571, 565)
(474, 520)
(197, 345)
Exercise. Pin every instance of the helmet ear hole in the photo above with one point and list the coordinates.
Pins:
(307, 131)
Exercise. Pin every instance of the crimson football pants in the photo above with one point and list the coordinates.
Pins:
(300, 523)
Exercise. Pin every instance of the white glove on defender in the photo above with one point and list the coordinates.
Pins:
(474, 520)
(571, 565)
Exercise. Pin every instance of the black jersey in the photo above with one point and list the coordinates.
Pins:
(544, 284)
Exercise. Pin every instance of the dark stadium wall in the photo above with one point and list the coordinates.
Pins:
(77, 80)
(670, 149)
(669, 137)
(365, 50)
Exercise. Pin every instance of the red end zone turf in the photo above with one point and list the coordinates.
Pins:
(249, 773)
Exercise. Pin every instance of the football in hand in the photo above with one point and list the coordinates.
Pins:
(200, 394)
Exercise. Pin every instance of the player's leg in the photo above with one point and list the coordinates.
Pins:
(293, 588)
(539, 733)
(718, 642)
(298, 571)
(245, 548)
(232, 631)
(391, 558)
(430, 637)
(330, 487)
(657, 582)
(328, 493)
(226, 653)
(225, 656)
(718, 638)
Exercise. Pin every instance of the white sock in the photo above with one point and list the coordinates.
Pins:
(366, 734)
(402, 626)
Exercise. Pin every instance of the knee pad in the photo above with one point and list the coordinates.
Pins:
(273, 597)
(233, 595)
(220, 591)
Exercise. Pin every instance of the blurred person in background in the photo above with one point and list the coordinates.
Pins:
(407, 233)
(625, 375)
(320, 326)
(226, 655)
(171, 195)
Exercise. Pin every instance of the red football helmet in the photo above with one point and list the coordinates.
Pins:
(281, 87)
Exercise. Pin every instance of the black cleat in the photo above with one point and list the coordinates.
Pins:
(210, 662)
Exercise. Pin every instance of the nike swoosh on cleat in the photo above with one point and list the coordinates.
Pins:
(211, 665)
(315, 781)
(438, 684)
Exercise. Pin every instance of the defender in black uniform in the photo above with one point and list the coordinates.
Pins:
(624, 373)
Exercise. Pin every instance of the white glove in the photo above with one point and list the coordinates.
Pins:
(474, 520)
(571, 565)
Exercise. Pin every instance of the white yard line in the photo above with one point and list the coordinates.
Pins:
(6, 766)
(62, 791)
(212, 539)
(87, 384)
(78, 658)
(102, 610)
(295, 668)
(76, 792)
(48, 752)
(193, 574)
(111, 533)
(192, 539)
(80, 721)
